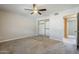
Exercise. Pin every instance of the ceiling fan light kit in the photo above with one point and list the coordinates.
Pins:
(35, 10)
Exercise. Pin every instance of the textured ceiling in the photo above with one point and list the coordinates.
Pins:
(51, 8)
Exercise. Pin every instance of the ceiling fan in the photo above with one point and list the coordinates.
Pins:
(35, 10)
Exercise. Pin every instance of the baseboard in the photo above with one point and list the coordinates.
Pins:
(56, 39)
(6, 40)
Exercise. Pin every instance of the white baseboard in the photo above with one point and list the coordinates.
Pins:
(55, 39)
(15, 38)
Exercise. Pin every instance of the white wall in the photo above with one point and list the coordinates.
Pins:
(57, 23)
(15, 25)
(56, 27)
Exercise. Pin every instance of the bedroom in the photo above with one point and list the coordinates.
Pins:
(25, 29)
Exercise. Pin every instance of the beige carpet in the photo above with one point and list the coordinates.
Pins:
(33, 45)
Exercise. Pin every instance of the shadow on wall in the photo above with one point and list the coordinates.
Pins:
(14, 25)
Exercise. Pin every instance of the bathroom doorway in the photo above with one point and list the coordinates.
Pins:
(70, 28)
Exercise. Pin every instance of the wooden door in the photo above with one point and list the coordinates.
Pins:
(78, 31)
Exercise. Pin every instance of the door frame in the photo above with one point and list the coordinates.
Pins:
(66, 25)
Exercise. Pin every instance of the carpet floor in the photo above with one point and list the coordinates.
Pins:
(34, 45)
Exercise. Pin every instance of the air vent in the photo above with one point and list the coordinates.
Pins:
(56, 13)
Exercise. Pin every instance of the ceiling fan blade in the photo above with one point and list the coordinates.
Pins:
(42, 9)
(32, 13)
(39, 13)
(28, 9)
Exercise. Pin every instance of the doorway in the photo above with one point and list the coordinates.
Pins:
(70, 28)
(43, 27)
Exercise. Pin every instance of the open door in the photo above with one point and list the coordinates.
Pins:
(78, 31)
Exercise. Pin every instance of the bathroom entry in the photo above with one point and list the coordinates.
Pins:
(70, 28)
